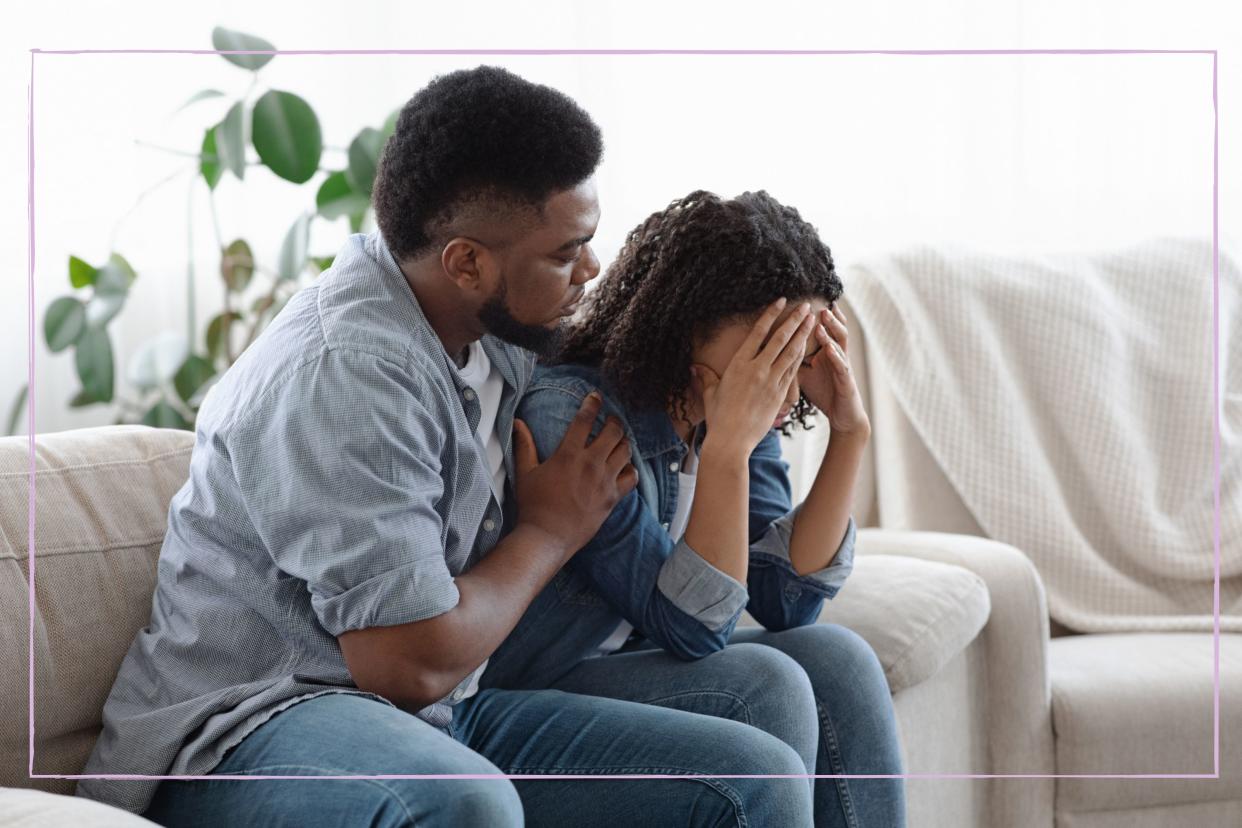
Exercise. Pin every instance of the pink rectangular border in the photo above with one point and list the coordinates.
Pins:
(1216, 452)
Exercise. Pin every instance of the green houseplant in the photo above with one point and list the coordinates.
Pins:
(275, 131)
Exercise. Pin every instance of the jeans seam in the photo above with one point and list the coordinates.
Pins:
(838, 766)
(737, 700)
(717, 785)
(327, 771)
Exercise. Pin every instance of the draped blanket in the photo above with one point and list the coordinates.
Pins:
(1069, 400)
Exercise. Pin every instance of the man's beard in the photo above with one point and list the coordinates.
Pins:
(500, 323)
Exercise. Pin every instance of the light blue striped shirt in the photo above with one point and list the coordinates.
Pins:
(334, 486)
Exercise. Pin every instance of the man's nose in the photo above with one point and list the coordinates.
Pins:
(588, 267)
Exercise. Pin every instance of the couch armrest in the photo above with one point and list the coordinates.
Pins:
(1015, 641)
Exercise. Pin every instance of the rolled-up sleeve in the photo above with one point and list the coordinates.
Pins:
(340, 473)
(700, 590)
(780, 598)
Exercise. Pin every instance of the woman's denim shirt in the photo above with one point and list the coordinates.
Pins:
(633, 570)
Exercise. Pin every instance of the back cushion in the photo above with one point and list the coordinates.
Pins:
(101, 509)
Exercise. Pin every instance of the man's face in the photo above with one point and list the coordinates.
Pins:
(543, 273)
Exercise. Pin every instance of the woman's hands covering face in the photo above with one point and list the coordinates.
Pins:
(741, 404)
(828, 381)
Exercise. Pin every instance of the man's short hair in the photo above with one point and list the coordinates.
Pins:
(481, 133)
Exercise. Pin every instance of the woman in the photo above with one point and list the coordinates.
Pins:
(715, 328)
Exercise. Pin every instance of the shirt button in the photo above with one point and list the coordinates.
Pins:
(468, 393)
(664, 526)
(489, 525)
(674, 466)
(458, 693)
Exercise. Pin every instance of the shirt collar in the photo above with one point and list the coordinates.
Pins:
(513, 363)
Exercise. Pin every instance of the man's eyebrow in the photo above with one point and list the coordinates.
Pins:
(572, 243)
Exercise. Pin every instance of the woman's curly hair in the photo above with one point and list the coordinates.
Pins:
(683, 272)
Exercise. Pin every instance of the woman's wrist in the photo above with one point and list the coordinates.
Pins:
(719, 450)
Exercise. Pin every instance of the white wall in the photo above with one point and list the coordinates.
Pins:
(1011, 153)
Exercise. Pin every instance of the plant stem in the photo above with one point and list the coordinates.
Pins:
(116, 228)
(190, 298)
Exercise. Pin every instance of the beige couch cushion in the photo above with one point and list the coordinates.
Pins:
(917, 615)
(36, 809)
(1142, 703)
(101, 499)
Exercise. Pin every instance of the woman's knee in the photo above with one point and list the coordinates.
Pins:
(759, 673)
(837, 653)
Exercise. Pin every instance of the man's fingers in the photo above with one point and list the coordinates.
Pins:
(580, 429)
(627, 480)
(759, 331)
(524, 456)
(609, 436)
(618, 457)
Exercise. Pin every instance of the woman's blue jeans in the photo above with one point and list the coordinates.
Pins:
(854, 730)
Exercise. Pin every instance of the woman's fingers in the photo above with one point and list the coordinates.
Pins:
(792, 332)
(790, 358)
(836, 326)
(759, 331)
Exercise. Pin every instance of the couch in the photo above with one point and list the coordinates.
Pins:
(983, 682)
(101, 505)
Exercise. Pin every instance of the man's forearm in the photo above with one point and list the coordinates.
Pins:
(825, 514)
(427, 659)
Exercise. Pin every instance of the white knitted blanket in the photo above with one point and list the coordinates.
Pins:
(1069, 400)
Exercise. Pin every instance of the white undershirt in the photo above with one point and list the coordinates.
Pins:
(681, 517)
(485, 381)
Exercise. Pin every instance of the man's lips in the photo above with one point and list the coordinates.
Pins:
(780, 417)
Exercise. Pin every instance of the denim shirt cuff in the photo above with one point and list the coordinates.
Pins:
(773, 547)
(699, 589)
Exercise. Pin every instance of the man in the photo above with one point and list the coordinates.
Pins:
(364, 523)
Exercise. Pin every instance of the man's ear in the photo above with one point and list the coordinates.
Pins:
(468, 263)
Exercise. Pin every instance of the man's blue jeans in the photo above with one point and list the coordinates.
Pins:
(747, 709)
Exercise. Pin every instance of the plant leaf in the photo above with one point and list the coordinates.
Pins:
(228, 40)
(201, 95)
(83, 398)
(337, 198)
(364, 153)
(163, 415)
(93, 359)
(115, 277)
(217, 331)
(63, 323)
(80, 273)
(293, 248)
(209, 160)
(231, 141)
(15, 413)
(191, 376)
(285, 132)
(103, 308)
(237, 265)
(390, 124)
(323, 262)
(355, 221)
